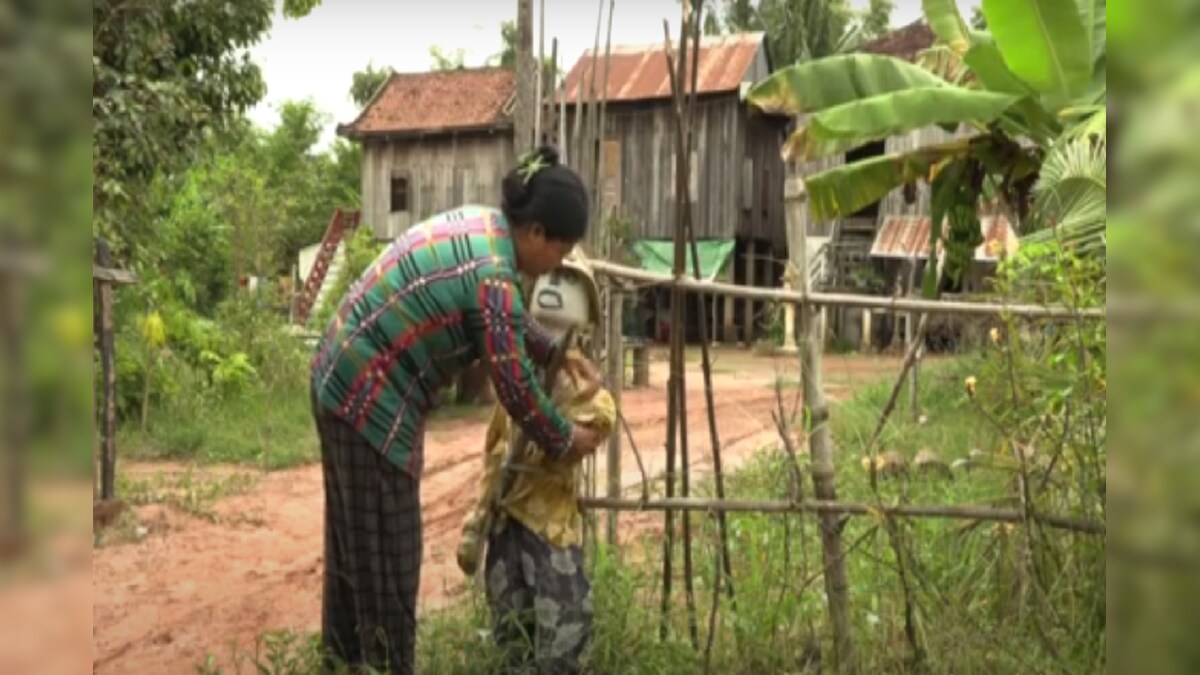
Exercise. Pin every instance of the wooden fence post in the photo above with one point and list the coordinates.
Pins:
(13, 418)
(616, 381)
(108, 377)
(820, 442)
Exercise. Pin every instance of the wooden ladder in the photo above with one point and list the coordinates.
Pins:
(341, 223)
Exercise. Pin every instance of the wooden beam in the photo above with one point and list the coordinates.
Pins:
(885, 303)
(967, 512)
(112, 275)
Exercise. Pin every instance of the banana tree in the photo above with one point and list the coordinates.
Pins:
(1020, 87)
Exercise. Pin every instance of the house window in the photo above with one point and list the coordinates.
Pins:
(399, 193)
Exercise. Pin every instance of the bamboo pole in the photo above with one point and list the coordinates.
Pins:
(820, 439)
(603, 244)
(676, 401)
(705, 351)
(823, 507)
(563, 141)
(886, 303)
(551, 77)
(683, 230)
(612, 5)
(616, 381)
(583, 107)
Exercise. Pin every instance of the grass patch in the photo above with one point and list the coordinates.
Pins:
(188, 492)
(270, 431)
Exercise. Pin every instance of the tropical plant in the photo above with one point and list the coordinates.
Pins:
(366, 82)
(1032, 90)
(801, 30)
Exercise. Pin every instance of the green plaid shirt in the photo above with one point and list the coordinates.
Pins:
(443, 295)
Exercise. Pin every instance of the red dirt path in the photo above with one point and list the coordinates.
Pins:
(191, 587)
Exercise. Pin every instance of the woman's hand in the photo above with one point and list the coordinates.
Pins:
(584, 442)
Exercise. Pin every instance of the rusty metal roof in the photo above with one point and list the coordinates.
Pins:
(639, 73)
(908, 237)
(903, 43)
(433, 102)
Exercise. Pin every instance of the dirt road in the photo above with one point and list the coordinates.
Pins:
(190, 586)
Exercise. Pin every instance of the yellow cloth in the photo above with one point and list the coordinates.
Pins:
(544, 495)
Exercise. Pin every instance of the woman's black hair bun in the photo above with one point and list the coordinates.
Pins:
(548, 154)
(515, 192)
(516, 187)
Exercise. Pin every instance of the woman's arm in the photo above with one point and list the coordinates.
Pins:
(503, 334)
(538, 343)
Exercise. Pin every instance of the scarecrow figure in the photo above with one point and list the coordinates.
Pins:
(528, 510)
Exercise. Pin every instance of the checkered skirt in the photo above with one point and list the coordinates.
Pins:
(372, 552)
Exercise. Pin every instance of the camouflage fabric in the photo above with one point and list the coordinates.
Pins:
(540, 599)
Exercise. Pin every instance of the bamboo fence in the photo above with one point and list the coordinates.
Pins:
(831, 512)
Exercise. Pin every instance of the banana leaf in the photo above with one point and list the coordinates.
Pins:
(848, 126)
(947, 24)
(848, 188)
(837, 80)
(1044, 43)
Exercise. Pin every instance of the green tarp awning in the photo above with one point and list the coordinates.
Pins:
(658, 255)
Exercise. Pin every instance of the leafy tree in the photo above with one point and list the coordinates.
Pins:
(712, 25)
(296, 9)
(368, 81)
(248, 204)
(443, 60)
(876, 21)
(164, 75)
(741, 16)
(797, 30)
(507, 58)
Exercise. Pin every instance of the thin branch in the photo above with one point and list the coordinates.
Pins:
(637, 455)
(888, 408)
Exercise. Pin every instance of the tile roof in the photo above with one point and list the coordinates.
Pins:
(903, 43)
(639, 73)
(908, 237)
(442, 101)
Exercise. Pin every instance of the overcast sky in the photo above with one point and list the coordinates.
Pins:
(315, 57)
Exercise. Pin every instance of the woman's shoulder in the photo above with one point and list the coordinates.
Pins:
(469, 212)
